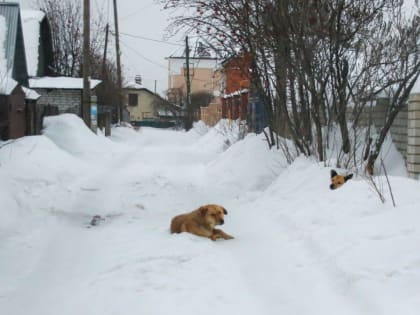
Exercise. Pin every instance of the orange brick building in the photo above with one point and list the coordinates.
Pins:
(237, 83)
(222, 80)
(236, 73)
(203, 77)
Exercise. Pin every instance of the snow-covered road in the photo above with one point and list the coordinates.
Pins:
(298, 247)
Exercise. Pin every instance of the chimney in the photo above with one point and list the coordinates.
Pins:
(137, 79)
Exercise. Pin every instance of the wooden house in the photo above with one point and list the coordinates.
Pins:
(12, 110)
(148, 108)
(13, 73)
(25, 51)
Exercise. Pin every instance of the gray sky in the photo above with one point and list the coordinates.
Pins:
(139, 20)
(143, 50)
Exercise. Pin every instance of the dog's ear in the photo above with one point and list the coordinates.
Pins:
(333, 173)
(203, 210)
(224, 211)
(346, 178)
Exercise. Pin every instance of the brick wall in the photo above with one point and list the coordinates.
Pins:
(237, 74)
(413, 146)
(377, 114)
(67, 101)
(399, 131)
(203, 80)
(211, 114)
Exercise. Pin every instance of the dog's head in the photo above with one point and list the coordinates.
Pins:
(338, 180)
(213, 214)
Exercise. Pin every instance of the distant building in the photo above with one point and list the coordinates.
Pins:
(147, 108)
(240, 100)
(203, 75)
(236, 74)
(234, 81)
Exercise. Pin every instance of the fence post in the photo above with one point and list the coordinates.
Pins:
(413, 146)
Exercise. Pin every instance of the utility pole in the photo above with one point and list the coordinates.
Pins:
(117, 47)
(188, 101)
(105, 52)
(86, 63)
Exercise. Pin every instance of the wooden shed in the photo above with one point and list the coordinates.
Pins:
(12, 111)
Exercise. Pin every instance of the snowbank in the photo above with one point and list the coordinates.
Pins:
(220, 137)
(247, 165)
(299, 247)
(30, 169)
(71, 134)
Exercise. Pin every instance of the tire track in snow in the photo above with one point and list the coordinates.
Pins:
(69, 252)
(305, 280)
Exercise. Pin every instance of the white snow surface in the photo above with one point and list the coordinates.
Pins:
(60, 83)
(30, 94)
(7, 84)
(299, 247)
(31, 20)
(3, 34)
(134, 85)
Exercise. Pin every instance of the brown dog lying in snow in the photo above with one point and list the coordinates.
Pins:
(201, 222)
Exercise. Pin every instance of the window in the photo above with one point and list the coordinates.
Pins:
(133, 99)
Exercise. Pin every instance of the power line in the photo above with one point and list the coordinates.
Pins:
(150, 39)
(137, 11)
(144, 57)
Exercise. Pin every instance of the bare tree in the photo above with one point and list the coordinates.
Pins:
(314, 62)
(65, 18)
(399, 69)
(66, 22)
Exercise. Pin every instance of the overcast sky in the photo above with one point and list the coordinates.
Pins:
(142, 24)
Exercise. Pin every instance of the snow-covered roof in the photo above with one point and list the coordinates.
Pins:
(134, 85)
(31, 20)
(3, 61)
(236, 93)
(7, 84)
(60, 83)
(13, 47)
(30, 94)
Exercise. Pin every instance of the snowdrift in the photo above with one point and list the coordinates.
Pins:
(70, 133)
(29, 167)
(299, 247)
